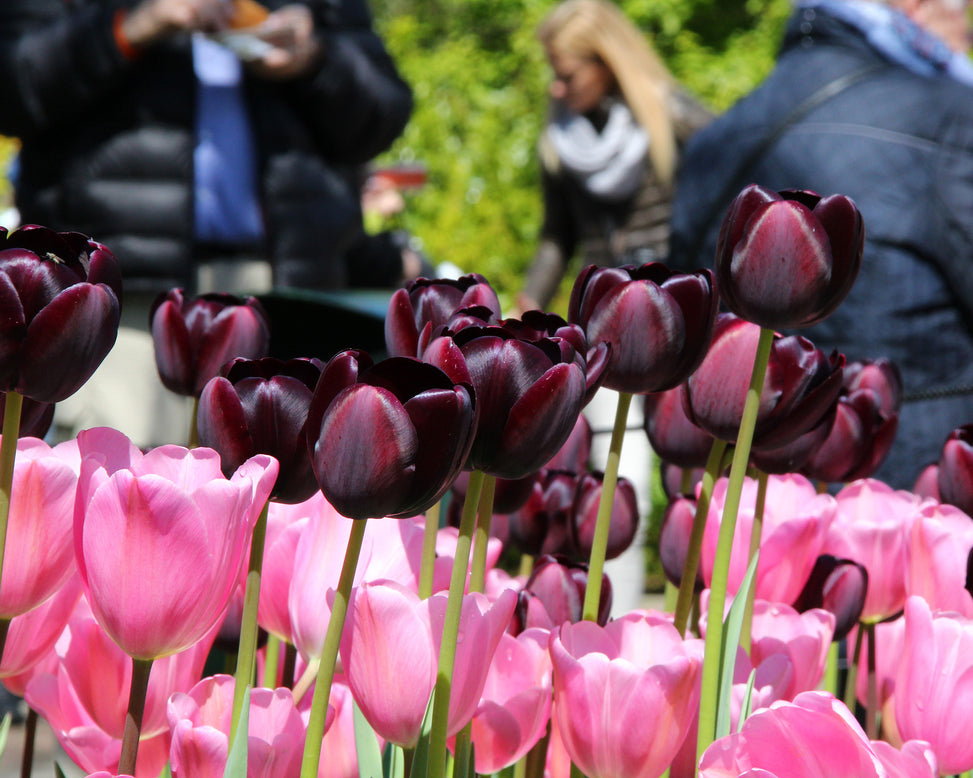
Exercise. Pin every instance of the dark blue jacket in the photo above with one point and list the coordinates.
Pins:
(901, 146)
(107, 142)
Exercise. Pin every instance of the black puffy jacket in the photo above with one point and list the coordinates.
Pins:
(901, 146)
(107, 142)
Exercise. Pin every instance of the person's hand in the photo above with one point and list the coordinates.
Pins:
(290, 30)
(154, 20)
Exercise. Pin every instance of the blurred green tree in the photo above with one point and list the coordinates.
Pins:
(480, 82)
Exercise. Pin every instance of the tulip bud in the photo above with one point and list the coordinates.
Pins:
(35, 417)
(260, 407)
(554, 594)
(658, 322)
(423, 308)
(543, 524)
(194, 338)
(528, 392)
(387, 439)
(61, 297)
(787, 259)
(800, 388)
(955, 478)
(838, 586)
(624, 520)
(674, 535)
(672, 434)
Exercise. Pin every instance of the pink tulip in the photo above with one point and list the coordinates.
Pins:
(390, 654)
(872, 527)
(160, 538)
(624, 694)
(85, 697)
(915, 760)
(200, 723)
(813, 736)
(285, 525)
(38, 558)
(391, 549)
(803, 637)
(516, 703)
(31, 637)
(795, 524)
(934, 686)
(939, 547)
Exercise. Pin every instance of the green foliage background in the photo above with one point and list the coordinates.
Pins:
(480, 83)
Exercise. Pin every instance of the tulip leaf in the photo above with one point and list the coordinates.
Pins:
(366, 747)
(393, 761)
(236, 763)
(5, 731)
(728, 651)
(420, 759)
(747, 706)
(58, 772)
(463, 750)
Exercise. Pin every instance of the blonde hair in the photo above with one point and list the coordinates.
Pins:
(598, 30)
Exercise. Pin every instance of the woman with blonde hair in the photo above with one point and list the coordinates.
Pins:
(610, 146)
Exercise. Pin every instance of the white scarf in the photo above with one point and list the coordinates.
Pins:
(610, 164)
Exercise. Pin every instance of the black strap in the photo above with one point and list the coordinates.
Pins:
(737, 180)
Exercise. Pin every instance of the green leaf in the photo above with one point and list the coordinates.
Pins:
(393, 761)
(236, 764)
(5, 731)
(747, 706)
(728, 651)
(366, 746)
(420, 760)
(58, 772)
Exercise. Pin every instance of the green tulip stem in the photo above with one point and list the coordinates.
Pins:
(430, 531)
(246, 658)
(871, 709)
(712, 665)
(8, 453)
(526, 566)
(851, 681)
(454, 607)
(272, 663)
(599, 543)
(830, 681)
(133, 719)
(329, 652)
(755, 533)
(194, 429)
(687, 584)
(481, 539)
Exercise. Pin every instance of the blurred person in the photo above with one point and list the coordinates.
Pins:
(617, 120)
(608, 152)
(873, 100)
(215, 145)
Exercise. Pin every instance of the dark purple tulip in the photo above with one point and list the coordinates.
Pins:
(839, 586)
(793, 456)
(675, 482)
(194, 338)
(672, 434)
(674, 534)
(260, 407)
(624, 517)
(528, 392)
(956, 469)
(658, 322)
(426, 306)
(576, 451)
(800, 388)
(554, 594)
(867, 417)
(543, 524)
(787, 259)
(35, 417)
(60, 294)
(387, 439)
